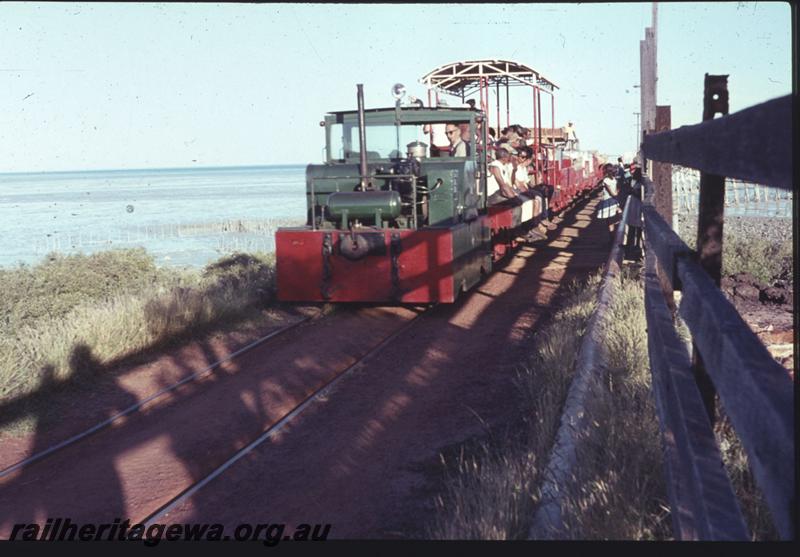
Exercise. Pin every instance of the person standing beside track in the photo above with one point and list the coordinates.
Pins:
(608, 208)
(620, 169)
(634, 237)
(623, 183)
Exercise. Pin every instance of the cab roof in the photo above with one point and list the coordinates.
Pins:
(408, 114)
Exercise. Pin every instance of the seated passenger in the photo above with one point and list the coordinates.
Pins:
(521, 176)
(511, 134)
(526, 137)
(499, 181)
(522, 184)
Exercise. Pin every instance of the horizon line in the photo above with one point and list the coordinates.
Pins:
(151, 168)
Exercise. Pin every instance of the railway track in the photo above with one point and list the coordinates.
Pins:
(274, 429)
(56, 469)
(133, 409)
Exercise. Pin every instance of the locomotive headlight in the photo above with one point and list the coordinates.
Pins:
(398, 91)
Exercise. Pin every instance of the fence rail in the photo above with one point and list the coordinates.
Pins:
(753, 145)
(703, 503)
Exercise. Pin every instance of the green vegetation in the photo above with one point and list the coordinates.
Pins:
(765, 260)
(760, 246)
(103, 307)
(60, 283)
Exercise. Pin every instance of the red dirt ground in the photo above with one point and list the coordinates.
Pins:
(363, 460)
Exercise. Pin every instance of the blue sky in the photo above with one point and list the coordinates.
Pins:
(95, 86)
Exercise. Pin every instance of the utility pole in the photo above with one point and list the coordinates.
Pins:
(647, 59)
(637, 137)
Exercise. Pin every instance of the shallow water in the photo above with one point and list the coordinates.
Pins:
(181, 216)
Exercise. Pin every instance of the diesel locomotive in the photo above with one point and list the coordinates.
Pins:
(391, 218)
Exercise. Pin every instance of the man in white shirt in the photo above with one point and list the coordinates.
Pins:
(499, 181)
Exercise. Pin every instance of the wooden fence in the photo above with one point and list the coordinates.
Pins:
(730, 362)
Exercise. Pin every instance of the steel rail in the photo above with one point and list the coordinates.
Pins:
(277, 426)
(138, 406)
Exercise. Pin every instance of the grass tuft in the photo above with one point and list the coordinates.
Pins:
(74, 314)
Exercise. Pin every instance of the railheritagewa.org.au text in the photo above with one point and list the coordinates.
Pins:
(63, 529)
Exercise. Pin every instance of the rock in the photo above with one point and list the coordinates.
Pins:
(747, 292)
(770, 337)
(774, 295)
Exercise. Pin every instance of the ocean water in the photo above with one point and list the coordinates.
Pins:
(184, 217)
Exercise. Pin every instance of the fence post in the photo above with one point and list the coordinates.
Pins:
(710, 212)
(662, 172)
(662, 198)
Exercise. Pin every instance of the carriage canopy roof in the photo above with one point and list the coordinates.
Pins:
(462, 78)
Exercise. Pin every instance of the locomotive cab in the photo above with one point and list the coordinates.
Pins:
(409, 183)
